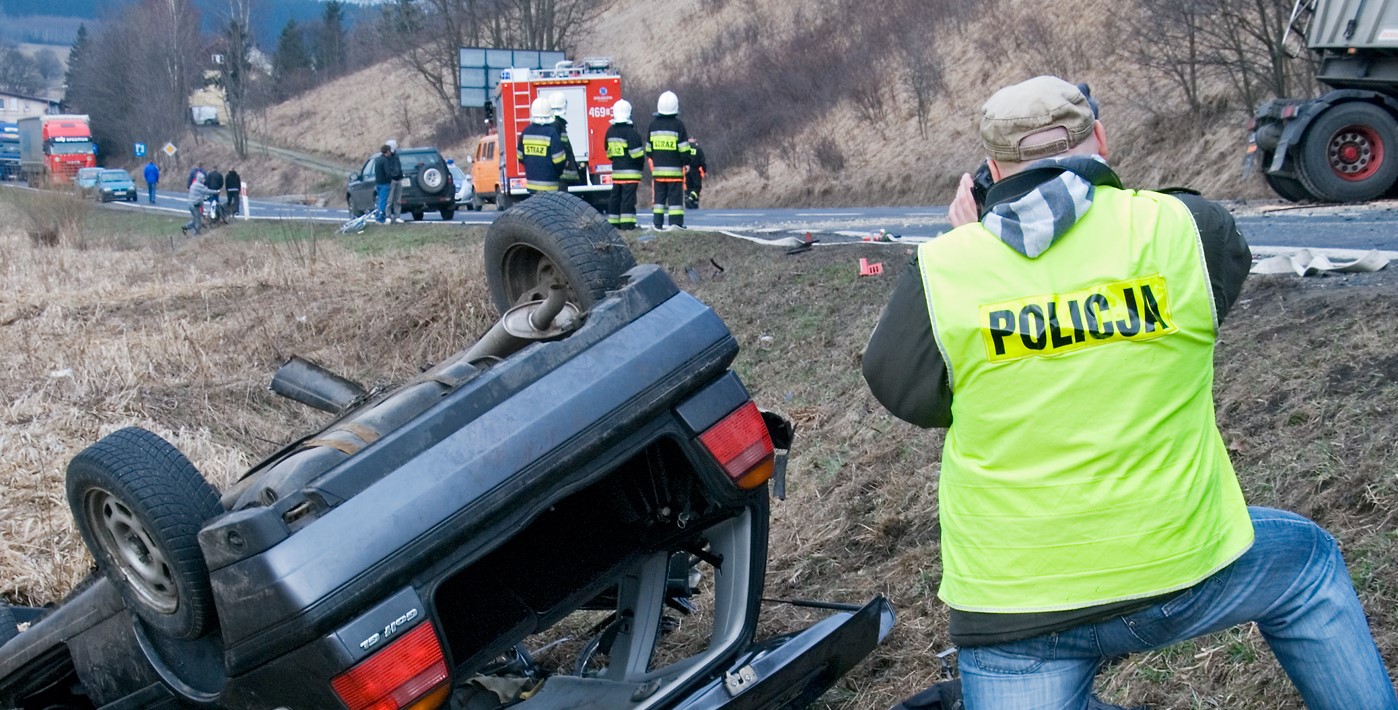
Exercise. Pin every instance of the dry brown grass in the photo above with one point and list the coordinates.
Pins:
(182, 340)
(887, 160)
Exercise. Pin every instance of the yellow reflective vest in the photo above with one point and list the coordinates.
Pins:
(1083, 464)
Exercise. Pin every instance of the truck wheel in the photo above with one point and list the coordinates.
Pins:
(476, 203)
(1350, 153)
(8, 628)
(503, 199)
(139, 505)
(1289, 189)
(553, 237)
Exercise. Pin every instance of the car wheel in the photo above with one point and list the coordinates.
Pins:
(447, 215)
(553, 238)
(1350, 153)
(431, 179)
(139, 505)
(354, 211)
(418, 214)
(8, 628)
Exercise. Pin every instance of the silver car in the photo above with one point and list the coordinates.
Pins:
(465, 188)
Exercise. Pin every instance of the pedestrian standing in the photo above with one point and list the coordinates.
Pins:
(540, 150)
(233, 184)
(694, 178)
(395, 186)
(198, 195)
(214, 181)
(196, 171)
(381, 185)
(627, 151)
(558, 103)
(667, 144)
(1063, 332)
(152, 175)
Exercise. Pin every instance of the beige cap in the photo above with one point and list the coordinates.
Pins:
(1030, 107)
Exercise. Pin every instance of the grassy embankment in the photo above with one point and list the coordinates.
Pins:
(120, 324)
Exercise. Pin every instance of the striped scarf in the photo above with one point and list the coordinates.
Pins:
(1032, 223)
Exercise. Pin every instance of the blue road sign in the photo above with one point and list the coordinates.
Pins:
(140, 150)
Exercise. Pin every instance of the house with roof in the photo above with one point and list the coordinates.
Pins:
(14, 106)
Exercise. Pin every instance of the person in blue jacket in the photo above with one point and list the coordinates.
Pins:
(152, 177)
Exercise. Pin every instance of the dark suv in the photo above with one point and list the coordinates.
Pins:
(570, 513)
(427, 185)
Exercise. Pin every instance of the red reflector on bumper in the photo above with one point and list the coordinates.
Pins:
(402, 672)
(741, 445)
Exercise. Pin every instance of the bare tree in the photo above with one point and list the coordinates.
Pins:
(18, 73)
(235, 71)
(1166, 37)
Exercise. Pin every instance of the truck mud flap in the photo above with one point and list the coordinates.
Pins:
(794, 670)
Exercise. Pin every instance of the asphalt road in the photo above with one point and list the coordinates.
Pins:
(1266, 224)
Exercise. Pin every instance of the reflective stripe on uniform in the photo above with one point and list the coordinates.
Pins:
(540, 186)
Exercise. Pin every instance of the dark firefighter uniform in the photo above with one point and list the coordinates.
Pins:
(694, 179)
(571, 175)
(542, 155)
(667, 144)
(628, 153)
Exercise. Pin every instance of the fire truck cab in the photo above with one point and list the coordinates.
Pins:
(591, 87)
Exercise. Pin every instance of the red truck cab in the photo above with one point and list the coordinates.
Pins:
(53, 148)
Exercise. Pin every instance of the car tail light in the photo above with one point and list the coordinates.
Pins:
(1289, 111)
(742, 446)
(408, 673)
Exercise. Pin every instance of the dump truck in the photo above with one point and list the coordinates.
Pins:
(591, 87)
(52, 149)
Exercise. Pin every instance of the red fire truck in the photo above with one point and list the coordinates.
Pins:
(591, 88)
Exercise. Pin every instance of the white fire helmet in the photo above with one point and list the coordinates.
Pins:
(668, 105)
(539, 111)
(621, 111)
(559, 103)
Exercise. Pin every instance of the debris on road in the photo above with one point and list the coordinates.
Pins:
(1305, 262)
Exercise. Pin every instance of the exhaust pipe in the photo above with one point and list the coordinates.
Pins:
(310, 384)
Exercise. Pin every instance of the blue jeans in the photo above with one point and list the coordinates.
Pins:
(150, 190)
(1292, 582)
(381, 195)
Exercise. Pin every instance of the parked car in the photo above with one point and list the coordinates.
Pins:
(86, 180)
(465, 188)
(427, 185)
(523, 525)
(115, 185)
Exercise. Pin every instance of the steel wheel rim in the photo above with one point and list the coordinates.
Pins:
(134, 551)
(1355, 153)
(528, 274)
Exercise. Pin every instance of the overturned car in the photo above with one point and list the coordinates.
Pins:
(570, 513)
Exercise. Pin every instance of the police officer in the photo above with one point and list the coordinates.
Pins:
(1064, 335)
(667, 145)
(558, 103)
(627, 152)
(540, 150)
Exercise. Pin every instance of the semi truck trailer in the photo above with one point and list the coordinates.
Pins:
(53, 148)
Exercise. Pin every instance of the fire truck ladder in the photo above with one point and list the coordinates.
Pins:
(520, 94)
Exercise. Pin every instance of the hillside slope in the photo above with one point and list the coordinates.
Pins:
(837, 152)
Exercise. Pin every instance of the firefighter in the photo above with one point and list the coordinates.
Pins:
(667, 145)
(694, 179)
(540, 150)
(627, 152)
(558, 103)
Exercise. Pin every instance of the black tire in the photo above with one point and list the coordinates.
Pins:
(1289, 189)
(431, 179)
(139, 505)
(447, 215)
(503, 200)
(476, 203)
(352, 210)
(418, 214)
(1350, 153)
(553, 236)
(8, 627)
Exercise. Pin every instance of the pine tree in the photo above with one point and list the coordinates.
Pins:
(75, 89)
(291, 65)
(330, 40)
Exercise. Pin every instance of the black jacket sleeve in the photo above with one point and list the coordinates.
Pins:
(902, 364)
(1226, 252)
